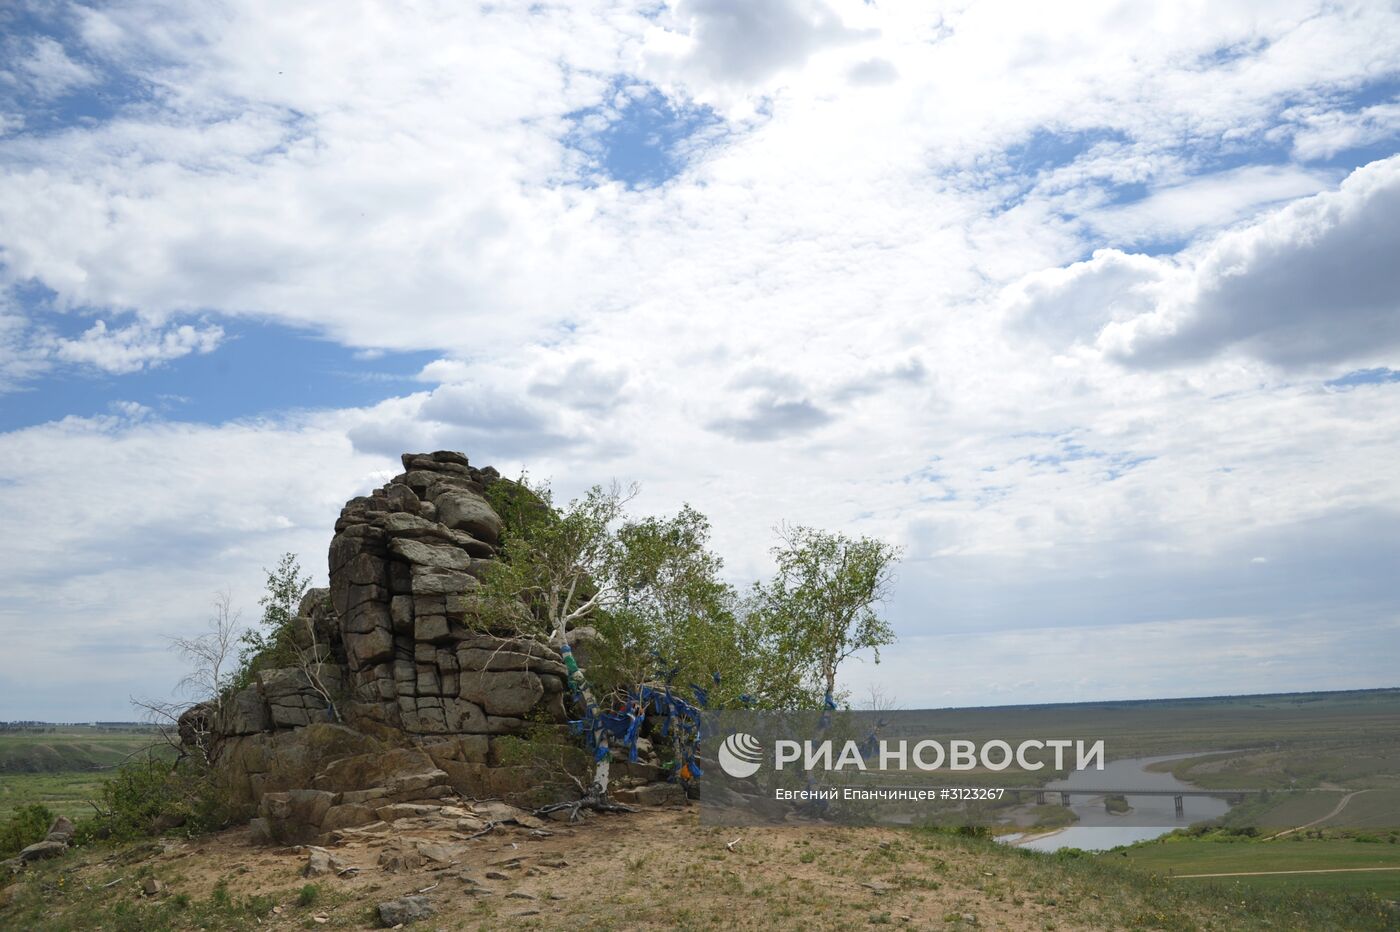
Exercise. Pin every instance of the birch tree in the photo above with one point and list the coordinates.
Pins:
(562, 564)
(823, 601)
(648, 588)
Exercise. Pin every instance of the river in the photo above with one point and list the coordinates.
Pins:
(1098, 830)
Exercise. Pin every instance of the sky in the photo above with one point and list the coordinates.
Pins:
(1093, 309)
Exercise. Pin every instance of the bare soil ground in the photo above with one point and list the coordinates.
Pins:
(656, 869)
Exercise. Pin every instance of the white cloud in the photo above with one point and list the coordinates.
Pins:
(135, 346)
(124, 530)
(46, 69)
(745, 42)
(1307, 284)
(1075, 303)
(20, 360)
(131, 410)
(873, 71)
(1325, 132)
(29, 348)
(1312, 283)
(324, 183)
(852, 309)
(1209, 202)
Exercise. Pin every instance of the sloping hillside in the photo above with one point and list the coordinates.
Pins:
(655, 869)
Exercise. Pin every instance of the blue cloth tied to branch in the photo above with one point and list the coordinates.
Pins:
(680, 720)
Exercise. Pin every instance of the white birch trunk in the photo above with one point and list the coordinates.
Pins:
(601, 768)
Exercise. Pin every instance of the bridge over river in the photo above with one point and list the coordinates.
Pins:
(1233, 796)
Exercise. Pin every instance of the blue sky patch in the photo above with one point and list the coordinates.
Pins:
(641, 137)
(1364, 377)
(258, 369)
(72, 90)
(1048, 149)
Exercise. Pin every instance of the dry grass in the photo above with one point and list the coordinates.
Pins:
(653, 870)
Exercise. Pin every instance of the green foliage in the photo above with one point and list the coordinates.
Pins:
(558, 562)
(653, 590)
(650, 587)
(26, 826)
(274, 642)
(673, 616)
(521, 505)
(554, 761)
(542, 747)
(1116, 803)
(820, 607)
(150, 795)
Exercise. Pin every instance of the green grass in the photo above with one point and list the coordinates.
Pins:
(1374, 809)
(68, 748)
(1384, 884)
(1217, 855)
(1126, 893)
(1205, 855)
(1284, 810)
(64, 793)
(62, 769)
(47, 902)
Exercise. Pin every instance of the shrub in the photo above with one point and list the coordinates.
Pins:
(554, 761)
(274, 643)
(151, 796)
(28, 825)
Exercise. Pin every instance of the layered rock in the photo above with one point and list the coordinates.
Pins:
(404, 571)
(401, 656)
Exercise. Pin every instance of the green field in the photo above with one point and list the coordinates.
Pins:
(1173, 857)
(72, 748)
(62, 768)
(1384, 884)
(1373, 809)
(1276, 742)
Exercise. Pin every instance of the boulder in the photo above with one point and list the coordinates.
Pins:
(464, 510)
(245, 713)
(378, 770)
(425, 581)
(432, 555)
(512, 692)
(285, 760)
(320, 862)
(42, 850)
(61, 830)
(292, 701)
(295, 817)
(346, 815)
(404, 910)
(401, 636)
(652, 794)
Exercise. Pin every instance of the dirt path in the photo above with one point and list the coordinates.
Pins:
(1321, 870)
(1340, 806)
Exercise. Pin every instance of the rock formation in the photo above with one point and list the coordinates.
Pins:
(406, 686)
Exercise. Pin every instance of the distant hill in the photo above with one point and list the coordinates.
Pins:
(75, 748)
